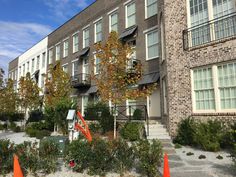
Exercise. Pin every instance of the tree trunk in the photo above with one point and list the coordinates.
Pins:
(115, 123)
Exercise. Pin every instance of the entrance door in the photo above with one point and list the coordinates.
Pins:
(153, 104)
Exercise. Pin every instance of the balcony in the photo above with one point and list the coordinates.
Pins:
(217, 30)
(81, 80)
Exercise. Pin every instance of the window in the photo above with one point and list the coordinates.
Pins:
(28, 67)
(43, 59)
(203, 89)
(97, 65)
(130, 14)
(216, 93)
(114, 22)
(23, 69)
(42, 81)
(58, 54)
(152, 44)
(50, 55)
(164, 95)
(65, 51)
(19, 71)
(201, 11)
(16, 74)
(75, 68)
(131, 106)
(98, 31)
(227, 85)
(65, 68)
(86, 37)
(32, 66)
(76, 43)
(38, 60)
(151, 8)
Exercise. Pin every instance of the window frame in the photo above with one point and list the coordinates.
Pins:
(65, 66)
(110, 15)
(56, 52)
(147, 32)
(87, 28)
(126, 13)
(65, 49)
(216, 89)
(50, 56)
(146, 10)
(73, 41)
(98, 21)
(96, 65)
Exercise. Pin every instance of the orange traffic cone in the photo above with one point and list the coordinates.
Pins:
(17, 170)
(166, 170)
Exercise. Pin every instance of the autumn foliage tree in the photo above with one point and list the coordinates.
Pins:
(57, 98)
(118, 75)
(29, 98)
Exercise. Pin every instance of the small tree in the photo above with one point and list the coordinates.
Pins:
(2, 72)
(57, 98)
(118, 76)
(29, 98)
(10, 97)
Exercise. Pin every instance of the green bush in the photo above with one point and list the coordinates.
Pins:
(95, 127)
(209, 135)
(101, 113)
(233, 155)
(132, 131)
(138, 114)
(1, 127)
(37, 129)
(12, 126)
(11, 116)
(149, 157)
(185, 132)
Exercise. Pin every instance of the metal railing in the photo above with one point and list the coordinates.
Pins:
(81, 79)
(214, 30)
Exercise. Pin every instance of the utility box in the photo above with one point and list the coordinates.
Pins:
(72, 119)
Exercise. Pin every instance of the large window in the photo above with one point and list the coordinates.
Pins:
(38, 61)
(151, 8)
(86, 37)
(32, 66)
(28, 67)
(96, 65)
(114, 22)
(65, 68)
(130, 14)
(98, 31)
(76, 43)
(152, 44)
(75, 68)
(218, 93)
(43, 59)
(66, 47)
(58, 54)
(215, 11)
(227, 85)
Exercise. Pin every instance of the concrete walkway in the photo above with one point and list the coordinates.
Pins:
(182, 165)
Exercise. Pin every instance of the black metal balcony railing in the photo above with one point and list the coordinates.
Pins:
(214, 30)
(81, 80)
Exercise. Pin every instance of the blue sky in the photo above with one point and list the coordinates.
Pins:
(24, 22)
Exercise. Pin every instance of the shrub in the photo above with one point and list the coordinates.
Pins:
(101, 113)
(11, 116)
(138, 114)
(37, 129)
(6, 154)
(12, 126)
(209, 135)
(95, 127)
(1, 127)
(233, 155)
(149, 157)
(229, 137)
(132, 131)
(185, 132)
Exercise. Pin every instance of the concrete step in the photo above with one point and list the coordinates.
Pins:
(169, 150)
(158, 130)
(156, 126)
(166, 137)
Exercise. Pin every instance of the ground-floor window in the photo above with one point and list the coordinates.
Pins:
(214, 88)
(131, 106)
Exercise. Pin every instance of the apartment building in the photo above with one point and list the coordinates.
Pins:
(198, 72)
(13, 72)
(136, 23)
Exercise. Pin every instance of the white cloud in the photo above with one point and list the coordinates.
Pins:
(15, 38)
(64, 9)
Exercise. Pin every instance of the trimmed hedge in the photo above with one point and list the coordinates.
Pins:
(11, 117)
(132, 131)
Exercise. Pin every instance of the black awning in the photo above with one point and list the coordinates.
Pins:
(92, 89)
(149, 78)
(84, 52)
(128, 32)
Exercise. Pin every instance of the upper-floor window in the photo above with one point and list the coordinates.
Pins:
(19, 71)
(28, 67)
(23, 70)
(75, 42)
(86, 37)
(218, 12)
(130, 10)
(151, 8)
(43, 59)
(113, 22)
(214, 88)
(152, 44)
(16, 74)
(75, 68)
(65, 68)
(58, 52)
(65, 49)
(98, 31)
(96, 65)
(32, 66)
(38, 61)
(50, 55)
